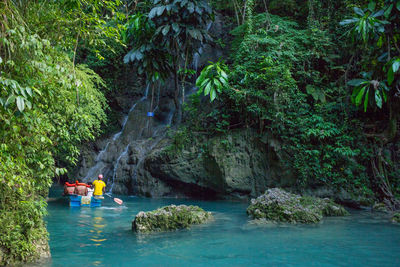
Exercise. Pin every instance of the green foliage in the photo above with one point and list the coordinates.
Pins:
(365, 88)
(212, 80)
(377, 27)
(48, 106)
(150, 58)
(166, 38)
(280, 82)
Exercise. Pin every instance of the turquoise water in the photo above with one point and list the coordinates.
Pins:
(103, 237)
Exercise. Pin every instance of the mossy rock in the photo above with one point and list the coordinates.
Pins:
(169, 218)
(380, 207)
(278, 205)
(396, 217)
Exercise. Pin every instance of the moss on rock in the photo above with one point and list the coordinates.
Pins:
(396, 217)
(278, 205)
(169, 218)
(380, 207)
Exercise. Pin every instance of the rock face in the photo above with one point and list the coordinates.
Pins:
(169, 218)
(281, 206)
(234, 166)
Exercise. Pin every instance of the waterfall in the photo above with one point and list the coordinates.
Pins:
(124, 153)
(100, 166)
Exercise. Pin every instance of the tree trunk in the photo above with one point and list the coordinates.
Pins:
(178, 106)
(393, 117)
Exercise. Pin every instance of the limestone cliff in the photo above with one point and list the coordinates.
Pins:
(235, 165)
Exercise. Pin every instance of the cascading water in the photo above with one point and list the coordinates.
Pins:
(124, 153)
(100, 165)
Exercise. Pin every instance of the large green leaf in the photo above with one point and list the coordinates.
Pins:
(165, 30)
(388, 11)
(378, 98)
(153, 13)
(390, 76)
(396, 65)
(360, 95)
(218, 85)
(175, 27)
(366, 102)
(213, 95)
(384, 95)
(359, 11)
(207, 88)
(20, 103)
(356, 82)
(349, 21)
(160, 10)
(10, 100)
(29, 91)
(371, 6)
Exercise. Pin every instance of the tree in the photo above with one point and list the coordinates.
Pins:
(42, 123)
(376, 33)
(376, 29)
(180, 28)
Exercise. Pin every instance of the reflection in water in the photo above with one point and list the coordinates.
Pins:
(98, 235)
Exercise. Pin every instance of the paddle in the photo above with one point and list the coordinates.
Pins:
(116, 200)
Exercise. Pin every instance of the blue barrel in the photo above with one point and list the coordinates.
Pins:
(76, 201)
(150, 114)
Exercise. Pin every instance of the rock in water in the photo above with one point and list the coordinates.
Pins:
(278, 205)
(396, 217)
(169, 218)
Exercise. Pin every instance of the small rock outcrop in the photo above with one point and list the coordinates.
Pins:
(380, 207)
(396, 217)
(280, 206)
(169, 218)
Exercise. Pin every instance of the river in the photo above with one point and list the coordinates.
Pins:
(103, 237)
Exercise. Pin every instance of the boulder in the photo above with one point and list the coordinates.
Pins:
(169, 218)
(278, 205)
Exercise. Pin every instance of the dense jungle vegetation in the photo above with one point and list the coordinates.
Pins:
(322, 76)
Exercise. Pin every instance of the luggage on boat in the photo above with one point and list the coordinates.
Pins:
(69, 189)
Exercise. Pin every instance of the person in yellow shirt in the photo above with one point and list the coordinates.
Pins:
(99, 187)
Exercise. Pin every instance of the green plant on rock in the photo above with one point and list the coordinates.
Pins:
(169, 218)
(212, 80)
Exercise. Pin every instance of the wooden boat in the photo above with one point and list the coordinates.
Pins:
(84, 201)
